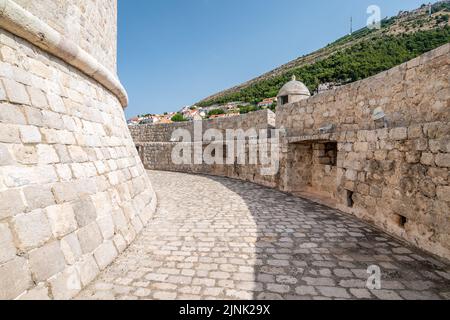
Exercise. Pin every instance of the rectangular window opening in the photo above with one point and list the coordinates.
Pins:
(350, 201)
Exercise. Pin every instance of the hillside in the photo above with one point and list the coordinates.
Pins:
(360, 55)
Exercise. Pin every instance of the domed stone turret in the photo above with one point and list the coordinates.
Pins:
(293, 91)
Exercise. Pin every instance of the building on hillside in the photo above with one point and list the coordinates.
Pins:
(327, 86)
(225, 115)
(133, 121)
(266, 103)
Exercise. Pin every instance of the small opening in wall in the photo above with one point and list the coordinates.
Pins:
(402, 221)
(284, 100)
(331, 150)
(350, 201)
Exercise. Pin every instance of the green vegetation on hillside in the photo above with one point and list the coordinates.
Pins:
(179, 118)
(362, 60)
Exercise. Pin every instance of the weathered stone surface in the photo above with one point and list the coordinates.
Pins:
(88, 269)
(39, 293)
(85, 212)
(90, 238)
(38, 197)
(32, 229)
(46, 261)
(15, 278)
(16, 92)
(70, 246)
(61, 133)
(105, 254)
(7, 248)
(30, 134)
(62, 220)
(11, 203)
(66, 284)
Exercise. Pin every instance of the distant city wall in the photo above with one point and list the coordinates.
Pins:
(73, 190)
(155, 145)
(392, 172)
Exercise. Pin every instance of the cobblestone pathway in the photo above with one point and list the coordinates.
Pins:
(216, 238)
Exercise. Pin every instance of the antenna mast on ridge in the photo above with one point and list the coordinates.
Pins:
(351, 25)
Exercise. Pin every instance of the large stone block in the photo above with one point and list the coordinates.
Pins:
(30, 134)
(77, 154)
(85, 211)
(70, 246)
(443, 193)
(7, 247)
(39, 293)
(88, 269)
(39, 197)
(12, 202)
(64, 192)
(16, 92)
(105, 254)
(31, 229)
(106, 225)
(11, 114)
(90, 238)
(62, 219)
(15, 278)
(37, 97)
(66, 285)
(443, 160)
(9, 133)
(24, 154)
(47, 261)
(47, 154)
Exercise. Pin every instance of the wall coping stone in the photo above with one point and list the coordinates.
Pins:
(23, 24)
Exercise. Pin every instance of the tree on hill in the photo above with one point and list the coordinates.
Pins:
(179, 118)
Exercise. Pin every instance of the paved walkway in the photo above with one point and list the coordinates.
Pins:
(216, 238)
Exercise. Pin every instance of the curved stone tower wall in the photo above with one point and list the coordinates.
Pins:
(73, 191)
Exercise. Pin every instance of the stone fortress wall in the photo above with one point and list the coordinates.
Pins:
(393, 174)
(155, 145)
(73, 191)
(92, 25)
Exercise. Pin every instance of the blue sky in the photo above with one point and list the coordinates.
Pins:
(173, 53)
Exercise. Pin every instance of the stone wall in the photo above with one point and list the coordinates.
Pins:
(393, 174)
(91, 24)
(163, 132)
(73, 191)
(156, 145)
